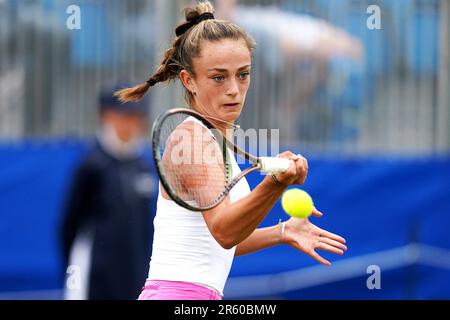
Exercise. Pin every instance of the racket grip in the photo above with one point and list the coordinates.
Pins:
(274, 165)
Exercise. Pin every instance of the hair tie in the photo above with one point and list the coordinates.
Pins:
(151, 82)
(204, 16)
(186, 26)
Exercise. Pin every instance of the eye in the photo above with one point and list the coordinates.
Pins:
(218, 78)
(244, 75)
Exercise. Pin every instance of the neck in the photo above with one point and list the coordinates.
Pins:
(222, 125)
(225, 127)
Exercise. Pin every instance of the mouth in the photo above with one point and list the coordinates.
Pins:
(232, 105)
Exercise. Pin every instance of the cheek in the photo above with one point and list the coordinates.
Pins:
(243, 88)
(213, 93)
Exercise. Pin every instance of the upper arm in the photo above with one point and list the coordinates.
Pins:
(193, 164)
(194, 168)
(213, 219)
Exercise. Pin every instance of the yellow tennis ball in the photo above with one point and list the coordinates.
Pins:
(297, 203)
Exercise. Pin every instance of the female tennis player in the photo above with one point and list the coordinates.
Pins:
(192, 251)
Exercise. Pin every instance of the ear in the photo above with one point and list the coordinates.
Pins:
(187, 80)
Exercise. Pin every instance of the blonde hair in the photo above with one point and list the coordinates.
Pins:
(186, 47)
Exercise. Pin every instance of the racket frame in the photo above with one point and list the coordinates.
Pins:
(155, 137)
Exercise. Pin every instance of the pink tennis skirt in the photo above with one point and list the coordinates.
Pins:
(176, 290)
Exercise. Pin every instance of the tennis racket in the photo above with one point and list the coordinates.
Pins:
(192, 159)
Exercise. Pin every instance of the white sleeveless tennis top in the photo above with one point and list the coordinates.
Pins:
(183, 247)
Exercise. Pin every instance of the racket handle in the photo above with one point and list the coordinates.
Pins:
(274, 165)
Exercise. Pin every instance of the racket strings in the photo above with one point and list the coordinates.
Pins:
(195, 164)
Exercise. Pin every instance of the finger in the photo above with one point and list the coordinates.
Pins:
(302, 172)
(305, 163)
(286, 154)
(292, 170)
(299, 168)
(333, 243)
(318, 258)
(316, 213)
(327, 247)
(298, 163)
(330, 235)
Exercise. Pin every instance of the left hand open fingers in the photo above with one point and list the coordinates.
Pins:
(327, 247)
(330, 235)
(318, 258)
(333, 243)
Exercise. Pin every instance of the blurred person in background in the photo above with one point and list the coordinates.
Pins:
(107, 229)
(308, 58)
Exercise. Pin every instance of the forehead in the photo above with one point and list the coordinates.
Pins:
(224, 54)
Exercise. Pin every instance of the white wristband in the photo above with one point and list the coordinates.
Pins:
(283, 225)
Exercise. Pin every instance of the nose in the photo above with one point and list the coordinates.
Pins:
(233, 88)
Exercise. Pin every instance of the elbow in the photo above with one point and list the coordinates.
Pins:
(227, 245)
(226, 241)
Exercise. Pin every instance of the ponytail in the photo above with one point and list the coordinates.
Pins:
(199, 26)
(133, 94)
(167, 70)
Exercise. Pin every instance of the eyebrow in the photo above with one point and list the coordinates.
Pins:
(225, 70)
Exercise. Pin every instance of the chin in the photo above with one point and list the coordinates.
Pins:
(231, 115)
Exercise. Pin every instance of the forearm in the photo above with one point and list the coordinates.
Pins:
(237, 221)
(260, 239)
